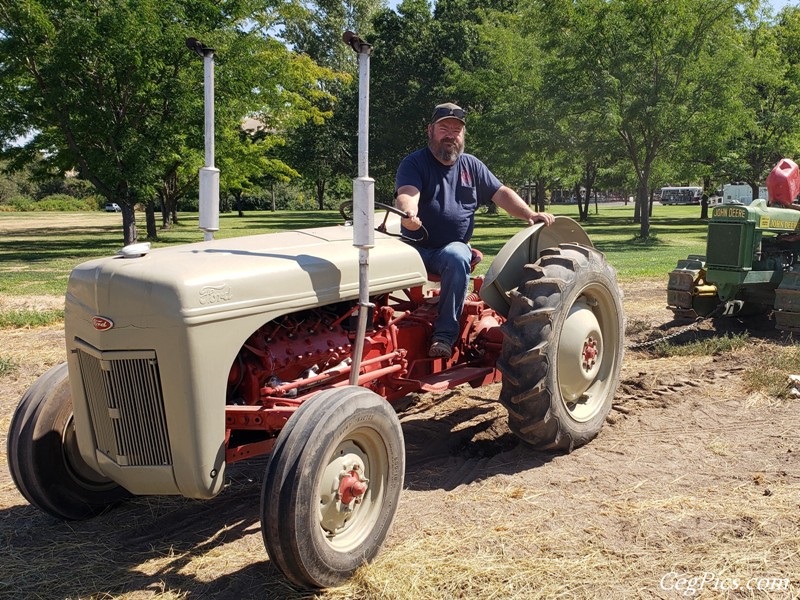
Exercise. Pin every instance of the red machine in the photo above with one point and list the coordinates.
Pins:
(783, 183)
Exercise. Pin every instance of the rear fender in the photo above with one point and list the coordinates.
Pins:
(506, 270)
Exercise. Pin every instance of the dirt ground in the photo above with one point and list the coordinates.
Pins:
(692, 489)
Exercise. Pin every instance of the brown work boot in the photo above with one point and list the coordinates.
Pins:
(440, 349)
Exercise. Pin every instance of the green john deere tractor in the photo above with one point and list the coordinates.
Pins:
(752, 260)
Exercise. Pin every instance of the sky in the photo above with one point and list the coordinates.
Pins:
(779, 4)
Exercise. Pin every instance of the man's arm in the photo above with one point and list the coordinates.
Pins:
(408, 200)
(509, 201)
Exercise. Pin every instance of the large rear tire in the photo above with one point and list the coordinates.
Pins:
(43, 454)
(562, 349)
(332, 486)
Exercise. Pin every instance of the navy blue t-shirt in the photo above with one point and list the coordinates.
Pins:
(449, 195)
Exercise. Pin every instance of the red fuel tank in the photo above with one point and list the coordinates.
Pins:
(783, 182)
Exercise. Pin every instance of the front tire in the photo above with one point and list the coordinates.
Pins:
(332, 486)
(43, 454)
(562, 349)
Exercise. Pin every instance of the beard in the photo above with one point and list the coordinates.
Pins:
(447, 150)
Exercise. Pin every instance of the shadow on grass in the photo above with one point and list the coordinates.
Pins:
(59, 243)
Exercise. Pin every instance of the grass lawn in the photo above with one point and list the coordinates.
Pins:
(38, 250)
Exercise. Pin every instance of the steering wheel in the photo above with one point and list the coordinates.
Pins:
(382, 227)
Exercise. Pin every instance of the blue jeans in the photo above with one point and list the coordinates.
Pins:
(451, 263)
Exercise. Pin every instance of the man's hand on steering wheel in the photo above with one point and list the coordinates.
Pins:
(346, 210)
(411, 222)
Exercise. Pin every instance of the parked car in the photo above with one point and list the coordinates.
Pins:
(112, 207)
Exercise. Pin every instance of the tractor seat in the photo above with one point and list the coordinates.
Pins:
(477, 257)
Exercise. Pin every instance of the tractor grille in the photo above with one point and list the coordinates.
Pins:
(722, 248)
(123, 390)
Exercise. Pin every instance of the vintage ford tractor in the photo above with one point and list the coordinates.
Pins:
(183, 360)
(752, 259)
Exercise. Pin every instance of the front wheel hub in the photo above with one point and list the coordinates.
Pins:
(352, 487)
(342, 488)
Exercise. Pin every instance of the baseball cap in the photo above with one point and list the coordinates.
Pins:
(448, 110)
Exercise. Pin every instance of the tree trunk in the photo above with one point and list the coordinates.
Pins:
(272, 191)
(238, 196)
(165, 223)
(169, 194)
(150, 220)
(704, 207)
(321, 193)
(589, 177)
(643, 204)
(129, 234)
(540, 183)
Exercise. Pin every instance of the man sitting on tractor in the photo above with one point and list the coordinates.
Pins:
(441, 187)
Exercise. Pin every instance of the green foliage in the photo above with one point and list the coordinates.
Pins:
(769, 127)
(406, 82)
(67, 185)
(652, 72)
(765, 373)
(19, 204)
(52, 203)
(558, 92)
(7, 366)
(65, 203)
(111, 88)
(14, 185)
(710, 346)
(771, 372)
(15, 319)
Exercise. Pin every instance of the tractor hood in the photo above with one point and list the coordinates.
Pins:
(274, 273)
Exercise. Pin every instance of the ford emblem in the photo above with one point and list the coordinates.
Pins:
(101, 323)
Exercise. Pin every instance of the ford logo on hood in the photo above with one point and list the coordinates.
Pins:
(101, 323)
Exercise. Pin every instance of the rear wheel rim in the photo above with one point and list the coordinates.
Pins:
(585, 370)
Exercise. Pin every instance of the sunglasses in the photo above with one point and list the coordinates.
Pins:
(444, 112)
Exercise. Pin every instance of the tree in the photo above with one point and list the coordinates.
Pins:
(511, 127)
(421, 59)
(406, 72)
(249, 160)
(770, 129)
(654, 69)
(109, 87)
(324, 152)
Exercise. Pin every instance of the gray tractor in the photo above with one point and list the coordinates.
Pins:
(184, 360)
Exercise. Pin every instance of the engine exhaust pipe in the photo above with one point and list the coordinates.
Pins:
(209, 174)
(363, 200)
